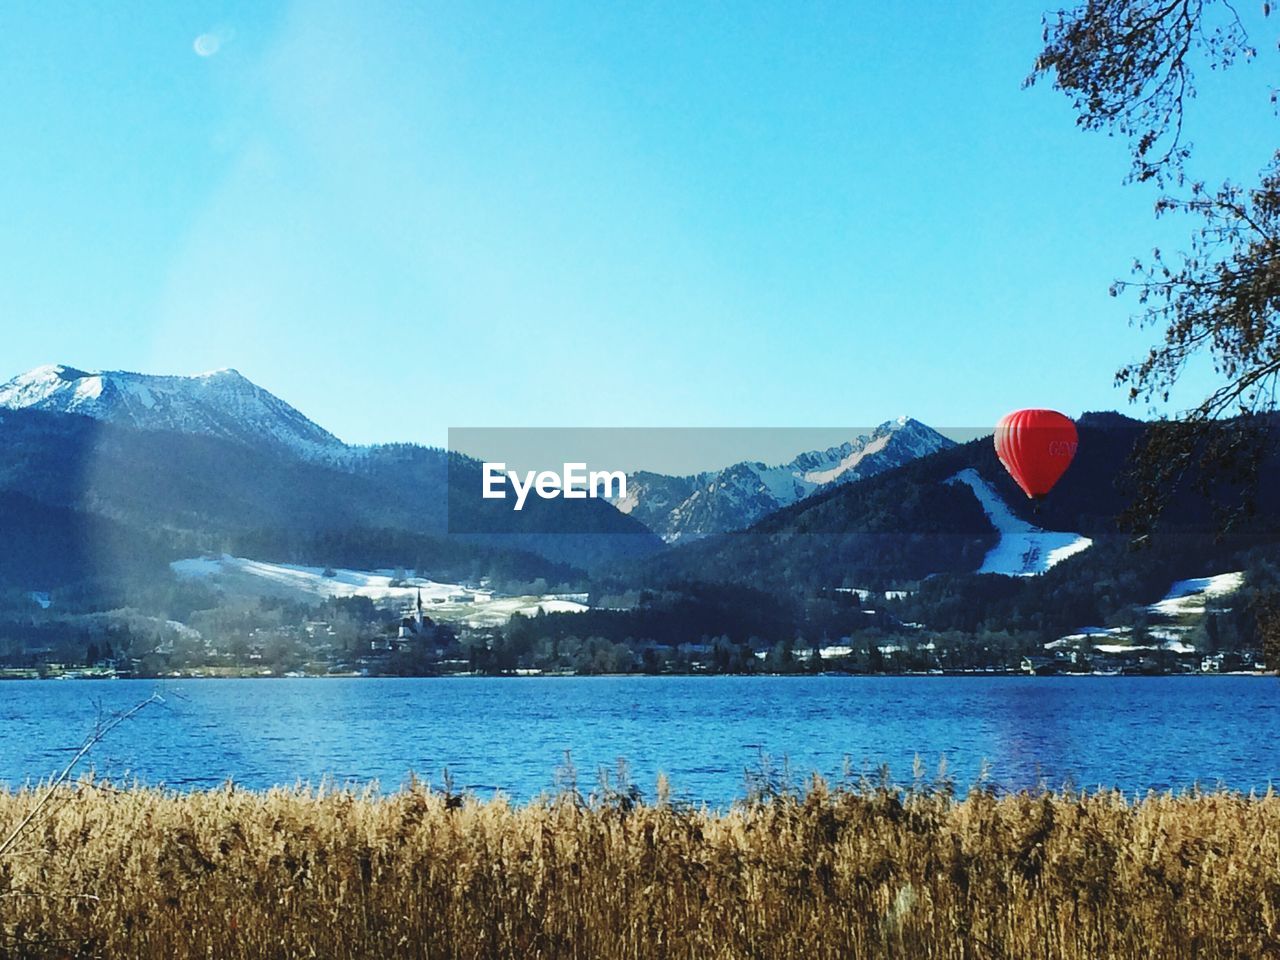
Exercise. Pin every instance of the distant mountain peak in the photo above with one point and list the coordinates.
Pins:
(49, 373)
(61, 371)
(220, 403)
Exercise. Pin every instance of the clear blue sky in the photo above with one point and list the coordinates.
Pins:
(409, 217)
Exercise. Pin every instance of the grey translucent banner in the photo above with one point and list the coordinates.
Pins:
(683, 484)
(899, 478)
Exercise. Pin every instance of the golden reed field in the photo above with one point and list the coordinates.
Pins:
(857, 871)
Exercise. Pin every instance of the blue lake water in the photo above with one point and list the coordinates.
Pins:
(703, 732)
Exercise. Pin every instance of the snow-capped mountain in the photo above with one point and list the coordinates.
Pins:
(684, 508)
(220, 404)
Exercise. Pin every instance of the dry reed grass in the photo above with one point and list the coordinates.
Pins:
(857, 871)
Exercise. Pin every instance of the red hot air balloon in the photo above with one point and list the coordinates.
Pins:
(1036, 447)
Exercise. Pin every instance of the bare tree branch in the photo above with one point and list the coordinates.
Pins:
(94, 738)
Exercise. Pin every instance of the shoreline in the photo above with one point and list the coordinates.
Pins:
(17, 675)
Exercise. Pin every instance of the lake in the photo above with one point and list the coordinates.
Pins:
(703, 732)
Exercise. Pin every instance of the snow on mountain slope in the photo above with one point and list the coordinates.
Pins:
(445, 602)
(1192, 596)
(1173, 628)
(684, 508)
(892, 444)
(220, 404)
(849, 461)
(1023, 550)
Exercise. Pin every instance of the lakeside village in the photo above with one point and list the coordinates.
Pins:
(415, 627)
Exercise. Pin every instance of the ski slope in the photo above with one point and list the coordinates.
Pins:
(1023, 550)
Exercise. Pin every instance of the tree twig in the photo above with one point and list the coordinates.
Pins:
(88, 745)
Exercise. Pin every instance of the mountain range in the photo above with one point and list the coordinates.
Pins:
(106, 471)
(214, 461)
(957, 512)
(680, 509)
(154, 468)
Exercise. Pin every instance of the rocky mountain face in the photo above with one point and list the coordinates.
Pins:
(688, 508)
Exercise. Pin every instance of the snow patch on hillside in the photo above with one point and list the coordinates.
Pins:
(1185, 605)
(1191, 596)
(1023, 550)
(446, 602)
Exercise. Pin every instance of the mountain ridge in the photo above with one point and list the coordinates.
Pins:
(221, 403)
(202, 493)
(686, 508)
(911, 524)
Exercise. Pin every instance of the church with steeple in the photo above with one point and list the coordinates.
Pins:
(417, 625)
